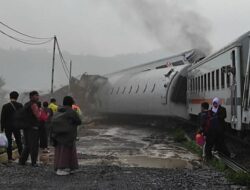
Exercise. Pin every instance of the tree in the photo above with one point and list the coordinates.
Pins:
(2, 92)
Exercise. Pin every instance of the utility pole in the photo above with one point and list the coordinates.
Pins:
(53, 68)
(70, 70)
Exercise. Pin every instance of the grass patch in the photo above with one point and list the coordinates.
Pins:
(217, 164)
(238, 178)
(232, 176)
(179, 135)
(193, 147)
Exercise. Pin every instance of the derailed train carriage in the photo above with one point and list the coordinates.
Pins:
(154, 89)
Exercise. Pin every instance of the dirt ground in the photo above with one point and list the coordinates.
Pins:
(119, 157)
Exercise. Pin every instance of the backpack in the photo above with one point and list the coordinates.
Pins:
(21, 118)
(59, 123)
(44, 115)
(208, 121)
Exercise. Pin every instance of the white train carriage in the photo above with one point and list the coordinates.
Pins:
(157, 88)
(224, 74)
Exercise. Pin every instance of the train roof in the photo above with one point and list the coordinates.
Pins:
(190, 56)
(238, 42)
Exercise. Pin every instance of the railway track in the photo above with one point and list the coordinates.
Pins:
(231, 163)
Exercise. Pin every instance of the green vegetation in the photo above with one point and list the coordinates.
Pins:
(179, 135)
(219, 165)
(193, 147)
(232, 176)
(238, 178)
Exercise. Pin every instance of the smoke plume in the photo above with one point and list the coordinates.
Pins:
(171, 24)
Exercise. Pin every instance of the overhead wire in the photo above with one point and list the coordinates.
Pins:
(25, 42)
(23, 33)
(63, 62)
(29, 42)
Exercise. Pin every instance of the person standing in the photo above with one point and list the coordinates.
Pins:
(8, 123)
(64, 131)
(45, 117)
(219, 114)
(31, 132)
(206, 130)
(53, 106)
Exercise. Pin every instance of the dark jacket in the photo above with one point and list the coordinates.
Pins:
(7, 115)
(205, 121)
(220, 115)
(64, 126)
(32, 120)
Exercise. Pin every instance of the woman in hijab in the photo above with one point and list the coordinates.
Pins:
(218, 123)
(64, 131)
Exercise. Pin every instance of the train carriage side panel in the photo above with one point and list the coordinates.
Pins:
(217, 76)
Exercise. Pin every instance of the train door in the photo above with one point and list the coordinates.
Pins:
(167, 81)
(246, 91)
(235, 101)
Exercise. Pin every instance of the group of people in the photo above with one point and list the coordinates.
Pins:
(41, 124)
(212, 126)
(60, 123)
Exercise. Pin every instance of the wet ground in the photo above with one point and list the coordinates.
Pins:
(132, 146)
(121, 157)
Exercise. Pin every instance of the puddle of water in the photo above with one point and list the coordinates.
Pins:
(151, 162)
(140, 161)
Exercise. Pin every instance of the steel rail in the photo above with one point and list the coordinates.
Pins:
(231, 163)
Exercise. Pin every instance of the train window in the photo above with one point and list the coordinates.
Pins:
(212, 80)
(145, 88)
(137, 89)
(202, 83)
(199, 84)
(205, 82)
(222, 78)
(208, 81)
(117, 90)
(130, 89)
(153, 88)
(228, 80)
(124, 90)
(217, 79)
(190, 85)
(112, 91)
(196, 85)
(193, 84)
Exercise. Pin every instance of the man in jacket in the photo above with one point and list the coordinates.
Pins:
(7, 123)
(31, 132)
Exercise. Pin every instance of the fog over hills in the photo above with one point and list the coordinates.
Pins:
(30, 69)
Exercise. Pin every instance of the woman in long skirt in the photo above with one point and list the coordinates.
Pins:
(64, 132)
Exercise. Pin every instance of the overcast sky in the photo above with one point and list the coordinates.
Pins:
(110, 27)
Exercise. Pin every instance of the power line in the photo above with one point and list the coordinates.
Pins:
(63, 62)
(29, 42)
(23, 33)
(25, 42)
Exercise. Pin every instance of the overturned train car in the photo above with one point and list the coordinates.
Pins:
(154, 89)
